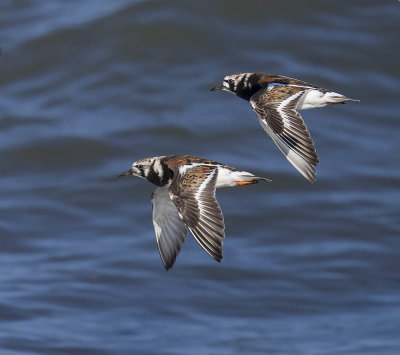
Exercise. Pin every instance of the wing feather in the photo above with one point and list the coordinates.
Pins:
(193, 193)
(276, 111)
(170, 230)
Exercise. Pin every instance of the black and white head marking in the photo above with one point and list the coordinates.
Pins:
(153, 169)
(234, 82)
(243, 85)
(141, 167)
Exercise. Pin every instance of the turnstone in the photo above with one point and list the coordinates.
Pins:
(275, 100)
(185, 201)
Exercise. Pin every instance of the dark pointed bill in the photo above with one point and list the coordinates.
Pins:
(127, 173)
(218, 87)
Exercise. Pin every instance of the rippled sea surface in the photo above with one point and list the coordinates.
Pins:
(87, 87)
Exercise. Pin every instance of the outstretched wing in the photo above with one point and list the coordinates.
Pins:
(193, 192)
(170, 230)
(276, 111)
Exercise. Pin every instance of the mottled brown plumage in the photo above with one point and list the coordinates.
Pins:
(185, 201)
(275, 99)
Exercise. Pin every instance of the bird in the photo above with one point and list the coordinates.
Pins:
(184, 200)
(276, 100)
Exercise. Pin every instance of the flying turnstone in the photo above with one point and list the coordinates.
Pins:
(275, 100)
(185, 201)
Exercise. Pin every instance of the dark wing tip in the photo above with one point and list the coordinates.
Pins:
(168, 266)
(312, 177)
(264, 179)
(168, 262)
(351, 99)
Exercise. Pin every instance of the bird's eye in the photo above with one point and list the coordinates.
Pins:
(231, 81)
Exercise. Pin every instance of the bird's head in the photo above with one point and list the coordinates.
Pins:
(232, 82)
(140, 168)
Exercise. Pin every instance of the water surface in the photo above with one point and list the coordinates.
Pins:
(89, 87)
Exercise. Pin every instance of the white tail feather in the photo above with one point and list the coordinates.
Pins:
(315, 98)
(227, 177)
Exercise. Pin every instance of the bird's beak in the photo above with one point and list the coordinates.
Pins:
(218, 87)
(127, 173)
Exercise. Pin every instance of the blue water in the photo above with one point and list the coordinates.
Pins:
(89, 87)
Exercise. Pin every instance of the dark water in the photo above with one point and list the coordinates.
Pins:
(87, 87)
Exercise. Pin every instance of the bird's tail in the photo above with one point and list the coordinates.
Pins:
(247, 179)
(333, 98)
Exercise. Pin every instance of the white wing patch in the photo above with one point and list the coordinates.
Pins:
(202, 208)
(194, 197)
(201, 188)
(273, 84)
(184, 168)
(285, 103)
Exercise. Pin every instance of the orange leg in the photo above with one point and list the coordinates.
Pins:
(240, 183)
